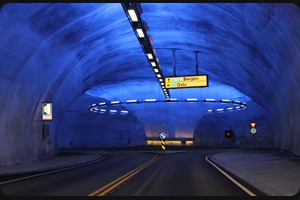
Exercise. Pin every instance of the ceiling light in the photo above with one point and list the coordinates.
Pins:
(172, 100)
(224, 101)
(131, 101)
(132, 15)
(150, 100)
(236, 102)
(191, 99)
(153, 64)
(140, 32)
(150, 56)
(158, 75)
(209, 100)
(156, 70)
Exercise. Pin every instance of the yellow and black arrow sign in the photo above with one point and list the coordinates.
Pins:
(163, 145)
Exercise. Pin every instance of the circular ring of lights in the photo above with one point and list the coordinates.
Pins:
(239, 105)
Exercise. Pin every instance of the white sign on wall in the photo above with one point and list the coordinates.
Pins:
(47, 111)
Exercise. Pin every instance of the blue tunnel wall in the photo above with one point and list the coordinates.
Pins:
(61, 52)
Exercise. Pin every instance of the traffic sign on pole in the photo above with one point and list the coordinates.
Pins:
(163, 145)
(252, 124)
(253, 130)
(163, 136)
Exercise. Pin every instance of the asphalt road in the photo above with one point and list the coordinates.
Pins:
(133, 174)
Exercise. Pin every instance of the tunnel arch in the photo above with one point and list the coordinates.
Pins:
(47, 56)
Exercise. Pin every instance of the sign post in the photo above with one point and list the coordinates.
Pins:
(253, 132)
(163, 136)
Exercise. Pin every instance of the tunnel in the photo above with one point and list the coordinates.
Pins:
(87, 63)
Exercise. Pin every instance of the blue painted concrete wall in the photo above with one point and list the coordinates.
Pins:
(57, 52)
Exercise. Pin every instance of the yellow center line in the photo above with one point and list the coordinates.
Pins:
(110, 186)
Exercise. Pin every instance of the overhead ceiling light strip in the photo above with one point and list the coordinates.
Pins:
(140, 27)
(94, 107)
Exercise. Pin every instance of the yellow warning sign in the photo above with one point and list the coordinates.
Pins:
(163, 144)
(186, 81)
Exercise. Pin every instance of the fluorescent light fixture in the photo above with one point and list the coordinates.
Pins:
(102, 110)
(113, 111)
(165, 90)
(191, 99)
(94, 104)
(225, 101)
(160, 80)
(243, 106)
(150, 56)
(236, 102)
(156, 70)
(102, 103)
(115, 102)
(220, 109)
(209, 111)
(238, 107)
(209, 100)
(132, 15)
(158, 75)
(230, 109)
(124, 112)
(140, 32)
(131, 101)
(96, 109)
(150, 100)
(153, 64)
(162, 83)
(172, 100)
